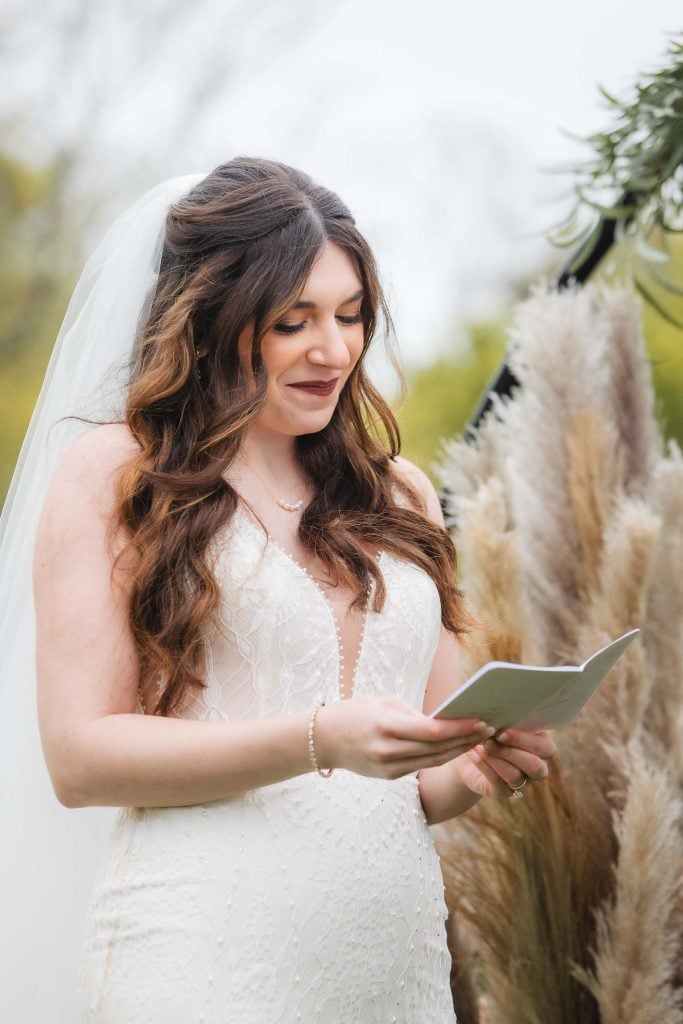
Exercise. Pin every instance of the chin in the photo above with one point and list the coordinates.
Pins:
(297, 425)
(312, 425)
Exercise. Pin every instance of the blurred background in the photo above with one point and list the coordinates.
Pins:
(448, 129)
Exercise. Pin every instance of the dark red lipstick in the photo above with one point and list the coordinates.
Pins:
(316, 387)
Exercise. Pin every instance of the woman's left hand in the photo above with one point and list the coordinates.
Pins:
(506, 762)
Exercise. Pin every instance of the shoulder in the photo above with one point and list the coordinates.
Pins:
(98, 453)
(417, 478)
(81, 493)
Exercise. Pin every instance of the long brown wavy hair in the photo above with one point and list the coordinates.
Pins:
(238, 250)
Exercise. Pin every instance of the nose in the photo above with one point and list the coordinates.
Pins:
(329, 347)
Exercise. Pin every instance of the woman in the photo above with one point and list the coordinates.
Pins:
(246, 609)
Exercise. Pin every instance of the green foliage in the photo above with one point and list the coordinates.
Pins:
(442, 397)
(663, 339)
(38, 253)
(635, 178)
(36, 256)
(665, 349)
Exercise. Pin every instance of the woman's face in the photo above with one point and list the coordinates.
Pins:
(309, 354)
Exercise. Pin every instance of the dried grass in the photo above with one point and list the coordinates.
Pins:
(569, 524)
(638, 938)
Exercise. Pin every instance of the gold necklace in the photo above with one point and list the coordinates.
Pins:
(288, 506)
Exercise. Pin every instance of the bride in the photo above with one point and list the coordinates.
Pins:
(246, 607)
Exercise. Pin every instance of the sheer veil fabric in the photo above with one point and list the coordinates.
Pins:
(48, 854)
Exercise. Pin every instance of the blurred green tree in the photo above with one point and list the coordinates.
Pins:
(39, 249)
(442, 396)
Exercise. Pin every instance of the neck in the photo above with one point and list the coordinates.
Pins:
(271, 454)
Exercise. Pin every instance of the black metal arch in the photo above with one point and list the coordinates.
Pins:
(505, 382)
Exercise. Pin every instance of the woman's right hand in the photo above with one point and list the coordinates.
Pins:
(385, 737)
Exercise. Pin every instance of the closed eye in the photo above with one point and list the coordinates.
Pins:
(289, 328)
(285, 328)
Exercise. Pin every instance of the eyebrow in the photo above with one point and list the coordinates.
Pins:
(312, 305)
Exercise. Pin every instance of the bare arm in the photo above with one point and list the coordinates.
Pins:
(99, 751)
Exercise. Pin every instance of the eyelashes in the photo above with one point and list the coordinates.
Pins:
(284, 328)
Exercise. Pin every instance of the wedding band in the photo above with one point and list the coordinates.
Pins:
(516, 789)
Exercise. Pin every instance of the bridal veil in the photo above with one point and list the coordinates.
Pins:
(48, 853)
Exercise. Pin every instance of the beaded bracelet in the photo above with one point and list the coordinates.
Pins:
(311, 749)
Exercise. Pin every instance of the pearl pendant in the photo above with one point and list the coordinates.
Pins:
(290, 507)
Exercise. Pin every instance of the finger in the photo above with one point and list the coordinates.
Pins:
(539, 743)
(413, 764)
(496, 786)
(437, 730)
(513, 765)
(406, 749)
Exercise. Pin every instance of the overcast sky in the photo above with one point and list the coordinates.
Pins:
(435, 121)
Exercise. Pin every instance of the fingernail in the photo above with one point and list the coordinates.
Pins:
(490, 731)
(503, 737)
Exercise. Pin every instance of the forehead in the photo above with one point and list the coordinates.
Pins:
(333, 276)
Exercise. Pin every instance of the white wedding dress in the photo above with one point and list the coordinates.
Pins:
(314, 900)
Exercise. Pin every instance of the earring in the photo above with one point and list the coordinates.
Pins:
(197, 358)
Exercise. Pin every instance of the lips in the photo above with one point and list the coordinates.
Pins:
(316, 387)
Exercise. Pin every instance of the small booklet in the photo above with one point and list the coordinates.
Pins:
(532, 697)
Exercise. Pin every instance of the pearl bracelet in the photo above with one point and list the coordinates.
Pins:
(311, 749)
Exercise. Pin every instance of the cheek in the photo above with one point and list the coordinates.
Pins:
(278, 355)
(356, 346)
(354, 338)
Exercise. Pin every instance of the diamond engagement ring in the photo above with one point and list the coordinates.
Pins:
(516, 790)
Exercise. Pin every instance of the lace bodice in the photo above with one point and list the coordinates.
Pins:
(279, 644)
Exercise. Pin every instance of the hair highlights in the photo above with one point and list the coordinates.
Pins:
(238, 250)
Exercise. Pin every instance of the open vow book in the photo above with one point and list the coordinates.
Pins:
(530, 696)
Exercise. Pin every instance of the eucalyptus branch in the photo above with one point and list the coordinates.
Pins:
(634, 179)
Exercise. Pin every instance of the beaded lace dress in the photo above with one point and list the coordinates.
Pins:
(315, 900)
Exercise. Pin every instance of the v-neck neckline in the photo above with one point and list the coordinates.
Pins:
(272, 543)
